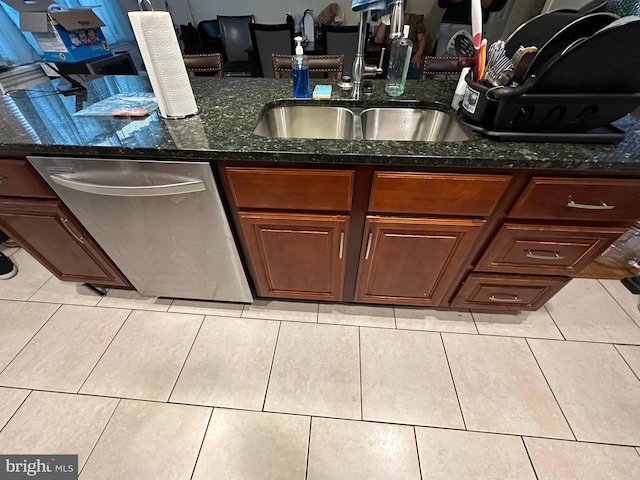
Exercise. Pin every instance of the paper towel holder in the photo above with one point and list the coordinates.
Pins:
(179, 117)
(148, 2)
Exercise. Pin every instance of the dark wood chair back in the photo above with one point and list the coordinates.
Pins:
(205, 64)
(341, 40)
(320, 66)
(269, 39)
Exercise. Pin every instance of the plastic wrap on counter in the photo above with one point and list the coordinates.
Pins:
(131, 105)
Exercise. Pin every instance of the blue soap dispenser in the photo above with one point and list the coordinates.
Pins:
(300, 72)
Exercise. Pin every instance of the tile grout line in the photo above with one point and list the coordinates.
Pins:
(273, 359)
(206, 430)
(32, 337)
(187, 357)
(38, 289)
(16, 411)
(80, 469)
(455, 389)
(619, 304)
(360, 365)
(395, 319)
(104, 351)
(533, 467)
(306, 470)
(554, 322)
(551, 390)
(475, 325)
(415, 437)
(625, 361)
(435, 427)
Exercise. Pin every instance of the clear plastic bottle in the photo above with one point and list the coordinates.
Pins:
(399, 60)
(300, 72)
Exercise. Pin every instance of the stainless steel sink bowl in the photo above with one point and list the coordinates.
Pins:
(424, 123)
(306, 121)
(410, 124)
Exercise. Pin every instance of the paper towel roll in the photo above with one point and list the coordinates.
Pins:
(163, 60)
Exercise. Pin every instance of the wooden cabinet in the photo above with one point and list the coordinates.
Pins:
(296, 255)
(481, 240)
(49, 232)
(412, 260)
(301, 253)
(18, 179)
(555, 229)
(322, 222)
(31, 213)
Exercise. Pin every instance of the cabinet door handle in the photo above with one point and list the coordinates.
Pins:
(65, 223)
(341, 244)
(366, 254)
(515, 299)
(583, 206)
(553, 256)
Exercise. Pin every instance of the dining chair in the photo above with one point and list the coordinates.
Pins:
(431, 66)
(236, 40)
(341, 40)
(209, 32)
(320, 66)
(204, 64)
(269, 39)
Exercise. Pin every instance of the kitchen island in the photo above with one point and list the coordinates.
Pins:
(474, 224)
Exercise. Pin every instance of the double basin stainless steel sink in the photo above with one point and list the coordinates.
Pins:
(399, 123)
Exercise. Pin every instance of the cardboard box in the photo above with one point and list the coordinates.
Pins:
(63, 36)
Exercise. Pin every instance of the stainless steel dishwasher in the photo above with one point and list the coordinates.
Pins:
(162, 223)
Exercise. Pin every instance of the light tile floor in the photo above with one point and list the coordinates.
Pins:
(150, 388)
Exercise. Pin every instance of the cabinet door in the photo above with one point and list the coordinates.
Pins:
(48, 231)
(412, 261)
(295, 255)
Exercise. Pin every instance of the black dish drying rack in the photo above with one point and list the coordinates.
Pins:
(588, 80)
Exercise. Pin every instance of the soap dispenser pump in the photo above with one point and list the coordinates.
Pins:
(300, 71)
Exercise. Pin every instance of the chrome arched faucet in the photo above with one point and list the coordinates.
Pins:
(360, 68)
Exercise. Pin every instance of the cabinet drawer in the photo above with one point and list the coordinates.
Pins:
(438, 193)
(579, 199)
(19, 179)
(294, 189)
(544, 249)
(507, 292)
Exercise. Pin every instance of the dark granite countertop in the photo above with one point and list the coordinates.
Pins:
(41, 121)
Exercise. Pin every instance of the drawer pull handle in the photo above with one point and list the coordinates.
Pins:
(65, 223)
(341, 244)
(554, 256)
(366, 255)
(582, 206)
(515, 299)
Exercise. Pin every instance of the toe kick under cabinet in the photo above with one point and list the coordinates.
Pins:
(32, 214)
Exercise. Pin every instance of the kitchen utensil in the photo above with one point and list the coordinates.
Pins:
(499, 66)
(522, 60)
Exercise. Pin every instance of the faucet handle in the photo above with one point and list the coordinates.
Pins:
(381, 59)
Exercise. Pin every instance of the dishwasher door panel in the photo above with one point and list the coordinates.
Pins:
(162, 223)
